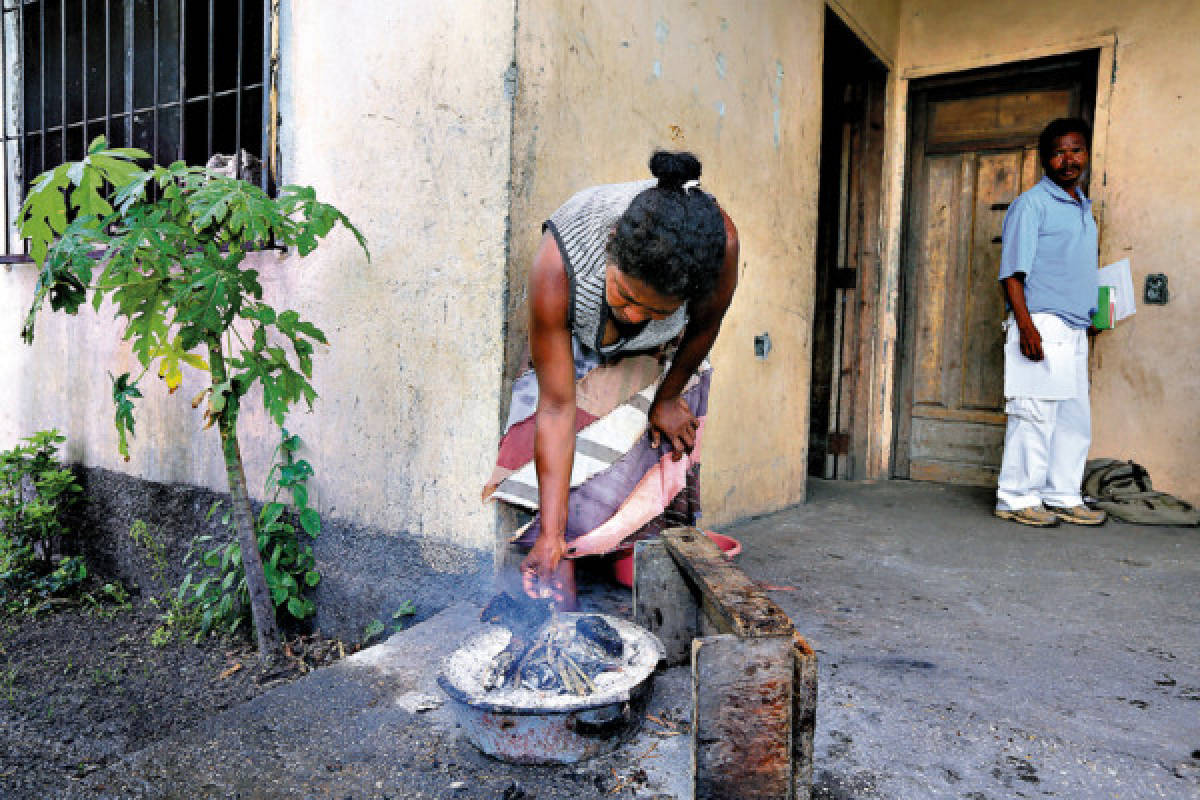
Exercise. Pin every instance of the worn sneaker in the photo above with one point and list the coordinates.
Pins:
(1036, 516)
(1079, 515)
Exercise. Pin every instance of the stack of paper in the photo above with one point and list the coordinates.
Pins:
(1116, 303)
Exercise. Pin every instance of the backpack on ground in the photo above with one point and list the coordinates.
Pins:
(1123, 489)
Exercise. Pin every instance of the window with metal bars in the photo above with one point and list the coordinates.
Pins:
(180, 79)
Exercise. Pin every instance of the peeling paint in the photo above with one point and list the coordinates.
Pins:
(720, 106)
(661, 31)
(656, 69)
(776, 95)
(722, 66)
(510, 82)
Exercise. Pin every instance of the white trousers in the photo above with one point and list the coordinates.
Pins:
(1046, 442)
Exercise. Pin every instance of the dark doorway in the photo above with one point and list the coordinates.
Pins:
(848, 263)
(972, 150)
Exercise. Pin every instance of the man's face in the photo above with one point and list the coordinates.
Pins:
(1068, 159)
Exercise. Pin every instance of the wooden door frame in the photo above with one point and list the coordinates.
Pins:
(885, 458)
(851, 169)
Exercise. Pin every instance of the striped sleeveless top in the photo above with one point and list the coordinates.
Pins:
(581, 227)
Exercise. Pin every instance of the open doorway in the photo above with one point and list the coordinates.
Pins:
(972, 150)
(848, 261)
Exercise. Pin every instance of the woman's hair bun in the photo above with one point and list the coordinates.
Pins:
(673, 170)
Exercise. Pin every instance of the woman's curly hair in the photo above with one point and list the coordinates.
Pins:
(671, 237)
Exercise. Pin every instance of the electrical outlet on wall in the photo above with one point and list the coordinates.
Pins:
(1156, 293)
(762, 345)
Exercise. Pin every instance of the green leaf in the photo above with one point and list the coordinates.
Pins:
(312, 577)
(373, 629)
(310, 520)
(270, 514)
(296, 608)
(124, 393)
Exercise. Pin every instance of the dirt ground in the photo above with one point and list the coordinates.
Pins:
(82, 686)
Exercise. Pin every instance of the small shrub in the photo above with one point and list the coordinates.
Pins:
(36, 493)
(216, 581)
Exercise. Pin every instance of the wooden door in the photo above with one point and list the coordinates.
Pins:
(848, 261)
(972, 155)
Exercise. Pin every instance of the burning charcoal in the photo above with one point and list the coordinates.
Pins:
(594, 668)
(504, 666)
(520, 615)
(523, 617)
(596, 630)
(540, 676)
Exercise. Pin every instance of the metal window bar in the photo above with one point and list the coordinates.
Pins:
(83, 49)
(30, 141)
(6, 111)
(41, 76)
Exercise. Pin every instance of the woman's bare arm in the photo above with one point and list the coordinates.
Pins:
(554, 437)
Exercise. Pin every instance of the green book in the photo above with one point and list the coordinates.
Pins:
(1105, 317)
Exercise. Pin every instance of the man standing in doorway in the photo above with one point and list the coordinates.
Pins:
(1048, 272)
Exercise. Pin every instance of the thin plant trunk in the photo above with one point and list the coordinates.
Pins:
(263, 610)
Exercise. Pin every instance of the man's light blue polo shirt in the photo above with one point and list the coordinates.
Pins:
(1052, 238)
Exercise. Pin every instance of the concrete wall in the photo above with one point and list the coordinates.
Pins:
(875, 22)
(399, 114)
(600, 86)
(1146, 374)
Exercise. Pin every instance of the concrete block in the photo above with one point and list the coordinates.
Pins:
(663, 602)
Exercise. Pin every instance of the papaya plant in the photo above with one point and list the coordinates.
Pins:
(167, 247)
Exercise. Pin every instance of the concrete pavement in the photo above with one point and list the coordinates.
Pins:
(961, 656)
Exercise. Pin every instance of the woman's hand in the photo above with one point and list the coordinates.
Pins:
(539, 570)
(671, 419)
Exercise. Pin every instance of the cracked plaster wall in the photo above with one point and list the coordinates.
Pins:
(1146, 373)
(397, 112)
(601, 86)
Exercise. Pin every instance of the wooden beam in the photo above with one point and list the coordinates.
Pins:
(732, 602)
(742, 718)
(804, 714)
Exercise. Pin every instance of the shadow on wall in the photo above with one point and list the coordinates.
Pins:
(366, 574)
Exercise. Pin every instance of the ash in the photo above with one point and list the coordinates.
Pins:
(549, 654)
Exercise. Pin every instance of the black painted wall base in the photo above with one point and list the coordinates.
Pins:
(367, 573)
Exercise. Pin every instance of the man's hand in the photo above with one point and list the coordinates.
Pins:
(671, 419)
(1031, 342)
(540, 568)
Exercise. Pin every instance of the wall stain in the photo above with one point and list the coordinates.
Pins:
(661, 31)
(776, 95)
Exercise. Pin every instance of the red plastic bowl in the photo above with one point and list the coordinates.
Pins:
(623, 563)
